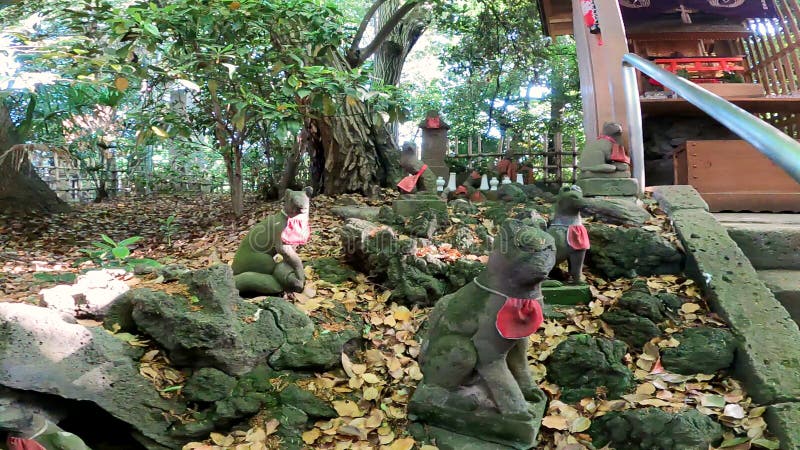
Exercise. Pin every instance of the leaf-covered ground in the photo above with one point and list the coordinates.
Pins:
(371, 392)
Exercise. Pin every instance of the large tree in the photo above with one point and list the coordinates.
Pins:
(21, 189)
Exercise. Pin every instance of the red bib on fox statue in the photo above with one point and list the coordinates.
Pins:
(618, 152)
(408, 183)
(15, 443)
(519, 317)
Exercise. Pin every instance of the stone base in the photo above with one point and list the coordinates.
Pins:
(611, 187)
(438, 407)
(447, 440)
(567, 294)
(411, 205)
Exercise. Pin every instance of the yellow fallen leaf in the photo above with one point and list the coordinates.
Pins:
(580, 425)
(310, 436)
(646, 389)
(371, 378)
(555, 422)
(347, 408)
(402, 444)
(222, 440)
(258, 434)
(689, 308)
(402, 314)
(375, 418)
(347, 365)
(371, 393)
(271, 426)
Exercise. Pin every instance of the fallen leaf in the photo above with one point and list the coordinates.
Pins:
(310, 436)
(401, 444)
(555, 422)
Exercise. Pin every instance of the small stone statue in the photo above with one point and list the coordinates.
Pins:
(566, 227)
(605, 157)
(32, 431)
(420, 178)
(476, 376)
(266, 262)
(507, 167)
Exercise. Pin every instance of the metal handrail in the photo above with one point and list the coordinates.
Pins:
(775, 145)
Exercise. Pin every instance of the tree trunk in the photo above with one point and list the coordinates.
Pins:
(391, 57)
(349, 152)
(233, 167)
(357, 154)
(290, 167)
(22, 191)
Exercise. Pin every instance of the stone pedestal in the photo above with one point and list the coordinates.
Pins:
(610, 187)
(411, 205)
(451, 419)
(567, 294)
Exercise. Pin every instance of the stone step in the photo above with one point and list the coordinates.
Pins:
(770, 241)
(785, 284)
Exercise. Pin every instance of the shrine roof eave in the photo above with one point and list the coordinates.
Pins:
(556, 17)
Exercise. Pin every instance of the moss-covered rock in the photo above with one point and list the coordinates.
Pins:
(652, 428)
(307, 402)
(583, 363)
(634, 329)
(511, 193)
(208, 385)
(462, 207)
(332, 271)
(628, 252)
(641, 302)
(701, 350)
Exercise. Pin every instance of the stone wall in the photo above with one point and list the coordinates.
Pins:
(663, 135)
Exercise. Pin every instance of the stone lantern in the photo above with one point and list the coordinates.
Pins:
(434, 143)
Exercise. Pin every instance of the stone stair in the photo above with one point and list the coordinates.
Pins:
(772, 244)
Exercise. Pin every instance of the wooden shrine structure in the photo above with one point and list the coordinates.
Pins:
(746, 51)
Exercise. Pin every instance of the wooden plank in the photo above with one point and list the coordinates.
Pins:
(753, 202)
(652, 107)
(731, 174)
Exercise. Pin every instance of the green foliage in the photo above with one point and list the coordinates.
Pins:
(732, 77)
(57, 277)
(169, 228)
(109, 253)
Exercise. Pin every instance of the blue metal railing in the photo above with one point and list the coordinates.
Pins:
(775, 145)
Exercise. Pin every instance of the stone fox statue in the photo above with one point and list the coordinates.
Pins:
(566, 227)
(474, 357)
(605, 157)
(257, 268)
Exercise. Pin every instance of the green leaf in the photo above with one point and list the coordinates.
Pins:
(109, 240)
(59, 277)
(121, 252)
(125, 337)
(173, 388)
(152, 29)
(766, 443)
(734, 442)
(133, 262)
(130, 241)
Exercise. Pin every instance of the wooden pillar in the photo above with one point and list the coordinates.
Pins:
(600, 66)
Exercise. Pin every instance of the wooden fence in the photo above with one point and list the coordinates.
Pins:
(773, 57)
(550, 159)
(72, 184)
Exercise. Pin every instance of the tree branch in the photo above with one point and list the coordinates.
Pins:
(352, 52)
(364, 53)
